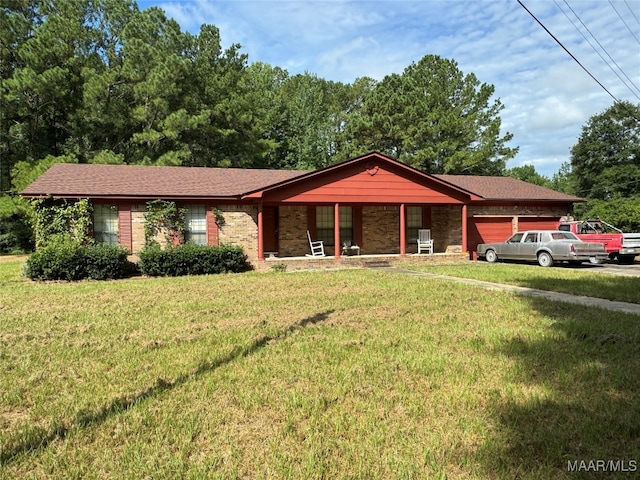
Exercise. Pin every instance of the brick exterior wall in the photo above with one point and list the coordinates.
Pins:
(240, 228)
(380, 229)
(446, 228)
(292, 231)
(137, 227)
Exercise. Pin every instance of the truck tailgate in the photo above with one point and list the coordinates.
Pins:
(631, 240)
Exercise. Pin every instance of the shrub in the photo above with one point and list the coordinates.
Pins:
(64, 259)
(192, 259)
(107, 261)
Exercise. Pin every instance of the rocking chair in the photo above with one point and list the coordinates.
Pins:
(317, 247)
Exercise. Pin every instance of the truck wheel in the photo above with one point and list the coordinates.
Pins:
(545, 259)
(626, 259)
(490, 256)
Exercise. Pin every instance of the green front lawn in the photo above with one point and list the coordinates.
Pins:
(582, 280)
(345, 374)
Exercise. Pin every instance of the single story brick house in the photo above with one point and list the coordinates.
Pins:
(373, 201)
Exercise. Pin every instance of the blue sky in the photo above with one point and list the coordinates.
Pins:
(548, 97)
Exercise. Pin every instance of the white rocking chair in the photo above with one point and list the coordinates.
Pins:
(425, 242)
(317, 247)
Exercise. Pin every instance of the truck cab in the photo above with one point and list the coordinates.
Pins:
(621, 246)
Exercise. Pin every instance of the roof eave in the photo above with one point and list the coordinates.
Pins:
(130, 197)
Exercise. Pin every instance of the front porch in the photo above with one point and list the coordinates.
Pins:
(375, 230)
(292, 264)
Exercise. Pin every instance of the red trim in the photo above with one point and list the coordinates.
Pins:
(364, 175)
(260, 233)
(213, 236)
(336, 230)
(464, 228)
(403, 230)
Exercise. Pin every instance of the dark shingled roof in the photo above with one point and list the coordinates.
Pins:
(135, 181)
(88, 180)
(505, 188)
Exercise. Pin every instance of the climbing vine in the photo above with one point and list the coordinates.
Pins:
(55, 219)
(219, 216)
(163, 216)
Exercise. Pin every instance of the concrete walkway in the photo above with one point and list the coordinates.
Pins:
(625, 307)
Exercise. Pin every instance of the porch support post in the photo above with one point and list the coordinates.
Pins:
(464, 227)
(336, 230)
(260, 233)
(403, 230)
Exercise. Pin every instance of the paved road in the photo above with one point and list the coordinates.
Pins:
(633, 308)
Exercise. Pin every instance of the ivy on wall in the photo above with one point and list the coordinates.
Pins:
(219, 217)
(164, 217)
(55, 219)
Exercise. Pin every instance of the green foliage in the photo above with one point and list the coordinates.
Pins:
(163, 217)
(606, 160)
(436, 119)
(106, 82)
(51, 217)
(16, 235)
(192, 259)
(15, 232)
(563, 180)
(25, 172)
(622, 212)
(64, 259)
(219, 217)
(279, 267)
(605, 167)
(528, 173)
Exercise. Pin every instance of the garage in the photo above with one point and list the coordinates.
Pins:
(537, 223)
(488, 230)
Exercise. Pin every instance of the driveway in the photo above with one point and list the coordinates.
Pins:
(615, 269)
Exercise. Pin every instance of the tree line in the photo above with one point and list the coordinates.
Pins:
(105, 82)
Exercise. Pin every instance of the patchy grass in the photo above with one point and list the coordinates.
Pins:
(346, 374)
(572, 280)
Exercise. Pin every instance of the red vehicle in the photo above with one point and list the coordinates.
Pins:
(619, 245)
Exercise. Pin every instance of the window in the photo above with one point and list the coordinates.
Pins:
(196, 224)
(531, 238)
(414, 223)
(105, 224)
(516, 238)
(325, 221)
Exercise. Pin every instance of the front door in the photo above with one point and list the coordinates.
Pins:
(270, 228)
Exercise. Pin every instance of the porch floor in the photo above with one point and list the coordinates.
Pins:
(356, 261)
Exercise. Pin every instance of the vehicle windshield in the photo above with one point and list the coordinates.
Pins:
(515, 238)
(563, 236)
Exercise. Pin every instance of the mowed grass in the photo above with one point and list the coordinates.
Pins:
(345, 374)
(582, 280)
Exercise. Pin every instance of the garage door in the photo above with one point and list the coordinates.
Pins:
(487, 230)
(537, 223)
